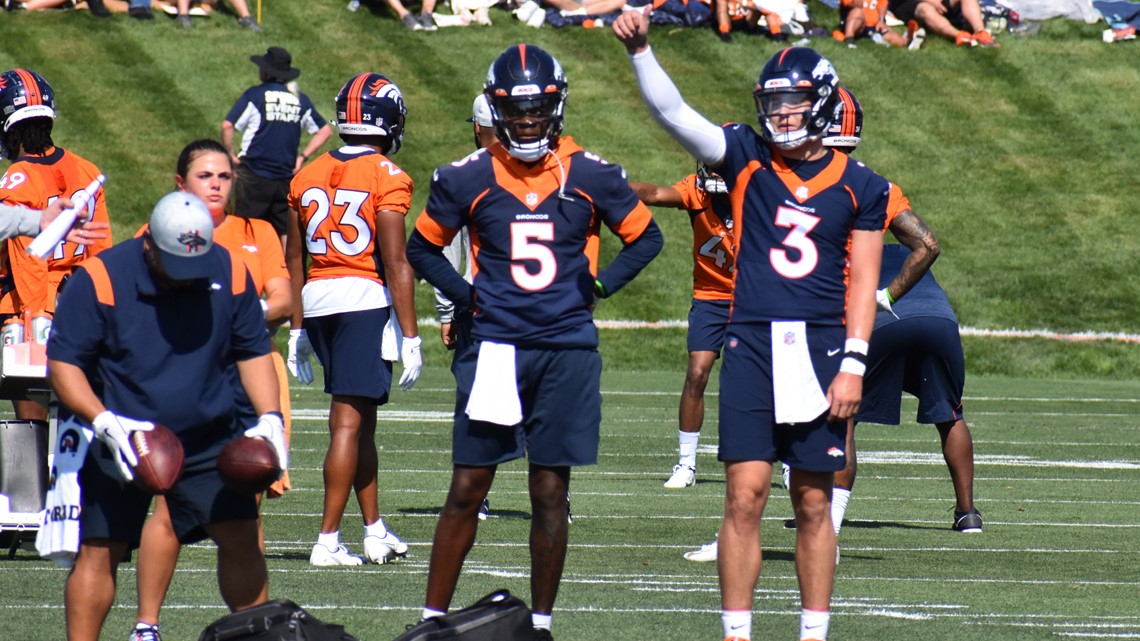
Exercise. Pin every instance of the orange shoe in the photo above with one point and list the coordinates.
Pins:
(964, 39)
(984, 39)
(838, 35)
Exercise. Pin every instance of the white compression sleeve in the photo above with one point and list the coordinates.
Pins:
(701, 138)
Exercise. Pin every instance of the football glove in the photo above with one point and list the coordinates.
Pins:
(300, 362)
(883, 302)
(412, 361)
(271, 427)
(115, 432)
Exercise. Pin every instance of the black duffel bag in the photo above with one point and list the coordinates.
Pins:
(280, 620)
(496, 617)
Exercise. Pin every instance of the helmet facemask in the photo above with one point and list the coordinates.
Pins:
(709, 181)
(528, 126)
(780, 110)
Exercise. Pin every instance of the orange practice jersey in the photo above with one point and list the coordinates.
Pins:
(897, 203)
(36, 182)
(255, 242)
(338, 196)
(713, 261)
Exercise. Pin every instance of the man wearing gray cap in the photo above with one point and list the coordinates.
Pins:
(146, 333)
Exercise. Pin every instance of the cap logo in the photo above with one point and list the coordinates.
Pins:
(192, 241)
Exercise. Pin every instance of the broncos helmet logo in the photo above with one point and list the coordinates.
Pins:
(192, 241)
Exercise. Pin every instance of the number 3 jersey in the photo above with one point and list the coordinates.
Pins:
(534, 238)
(793, 235)
(337, 197)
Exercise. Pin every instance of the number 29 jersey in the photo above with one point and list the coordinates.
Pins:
(793, 235)
(534, 238)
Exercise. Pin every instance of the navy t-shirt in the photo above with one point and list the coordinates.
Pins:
(270, 118)
(157, 354)
(925, 299)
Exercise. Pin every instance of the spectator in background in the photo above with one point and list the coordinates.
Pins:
(421, 22)
(40, 173)
(140, 10)
(866, 18)
(957, 20)
(245, 20)
(270, 117)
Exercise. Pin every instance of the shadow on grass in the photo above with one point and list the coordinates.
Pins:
(494, 514)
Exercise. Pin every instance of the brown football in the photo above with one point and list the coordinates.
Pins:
(160, 459)
(249, 465)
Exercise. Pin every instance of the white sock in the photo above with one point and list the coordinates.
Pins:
(330, 540)
(376, 529)
(737, 623)
(540, 621)
(688, 447)
(429, 613)
(813, 624)
(839, 499)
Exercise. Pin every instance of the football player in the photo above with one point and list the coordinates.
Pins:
(704, 195)
(529, 384)
(39, 174)
(347, 215)
(807, 223)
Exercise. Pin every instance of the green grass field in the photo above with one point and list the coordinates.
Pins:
(1056, 475)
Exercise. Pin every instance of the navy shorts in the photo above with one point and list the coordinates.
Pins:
(748, 428)
(561, 396)
(922, 357)
(116, 510)
(708, 321)
(348, 347)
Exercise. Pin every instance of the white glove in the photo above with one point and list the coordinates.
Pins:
(271, 427)
(115, 432)
(412, 361)
(300, 362)
(883, 302)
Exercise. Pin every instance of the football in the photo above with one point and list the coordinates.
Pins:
(160, 459)
(248, 465)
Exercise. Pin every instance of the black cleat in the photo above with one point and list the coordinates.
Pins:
(967, 522)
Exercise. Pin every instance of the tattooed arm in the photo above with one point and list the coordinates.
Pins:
(913, 233)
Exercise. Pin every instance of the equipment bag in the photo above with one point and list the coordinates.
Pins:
(280, 620)
(496, 617)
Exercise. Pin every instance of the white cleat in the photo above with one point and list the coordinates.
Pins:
(683, 476)
(322, 556)
(707, 552)
(384, 549)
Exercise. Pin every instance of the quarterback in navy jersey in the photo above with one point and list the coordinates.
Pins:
(528, 383)
(808, 223)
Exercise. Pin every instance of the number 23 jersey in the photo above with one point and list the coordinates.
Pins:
(534, 238)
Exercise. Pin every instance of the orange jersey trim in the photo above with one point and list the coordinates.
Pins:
(736, 197)
(802, 190)
(97, 270)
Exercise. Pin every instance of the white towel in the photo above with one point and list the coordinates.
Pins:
(58, 537)
(798, 397)
(495, 393)
(392, 338)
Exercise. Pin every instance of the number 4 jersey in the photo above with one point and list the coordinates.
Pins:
(793, 235)
(337, 197)
(534, 238)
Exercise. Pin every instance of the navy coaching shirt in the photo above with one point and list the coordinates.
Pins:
(157, 354)
(793, 236)
(534, 238)
(925, 299)
(270, 118)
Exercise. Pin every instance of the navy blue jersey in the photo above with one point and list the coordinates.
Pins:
(793, 236)
(270, 118)
(161, 355)
(926, 298)
(534, 238)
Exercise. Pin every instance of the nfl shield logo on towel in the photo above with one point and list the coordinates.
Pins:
(789, 338)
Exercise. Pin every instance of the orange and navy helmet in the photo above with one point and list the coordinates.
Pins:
(846, 128)
(796, 75)
(526, 83)
(371, 105)
(24, 94)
